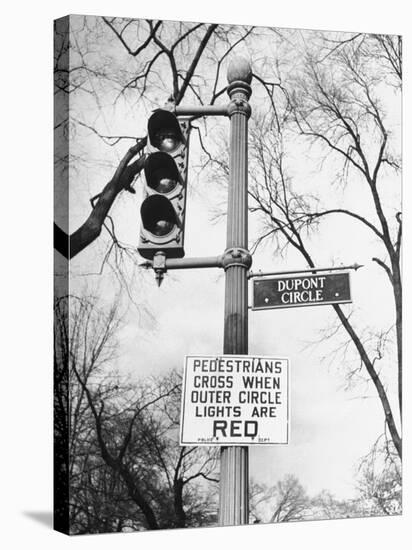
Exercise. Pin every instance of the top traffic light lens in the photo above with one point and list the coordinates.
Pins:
(166, 140)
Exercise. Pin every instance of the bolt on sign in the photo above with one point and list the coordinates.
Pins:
(235, 400)
(306, 290)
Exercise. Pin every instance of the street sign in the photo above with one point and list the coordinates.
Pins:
(235, 400)
(304, 290)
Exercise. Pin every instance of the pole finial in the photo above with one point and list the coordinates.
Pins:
(239, 69)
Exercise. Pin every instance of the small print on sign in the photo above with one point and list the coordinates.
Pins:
(235, 400)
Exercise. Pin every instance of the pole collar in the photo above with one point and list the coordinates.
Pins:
(239, 105)
(236, 257)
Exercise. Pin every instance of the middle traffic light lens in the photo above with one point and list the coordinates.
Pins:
(161, 172)
(162, 181)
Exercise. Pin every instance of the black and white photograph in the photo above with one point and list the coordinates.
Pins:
(204, 270)
(228, 293)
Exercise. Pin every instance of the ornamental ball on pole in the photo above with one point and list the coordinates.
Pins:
(239, 70)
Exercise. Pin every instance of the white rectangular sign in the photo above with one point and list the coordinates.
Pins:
(235, 400)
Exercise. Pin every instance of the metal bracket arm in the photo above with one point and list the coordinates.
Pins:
(161, 262)
(202, 110)
(231, 257)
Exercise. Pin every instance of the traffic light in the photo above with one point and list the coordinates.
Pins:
(163, 208)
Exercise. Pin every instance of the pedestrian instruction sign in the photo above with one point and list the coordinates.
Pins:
(235, 400)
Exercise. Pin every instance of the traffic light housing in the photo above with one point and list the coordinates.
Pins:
(163, 207)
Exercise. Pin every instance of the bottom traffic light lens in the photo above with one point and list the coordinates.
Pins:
(162, 227)
(158, 215)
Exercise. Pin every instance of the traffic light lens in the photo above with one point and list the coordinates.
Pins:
(166, 140)
(162, 182)
(162, 227)
(158, 215)
(161, 173)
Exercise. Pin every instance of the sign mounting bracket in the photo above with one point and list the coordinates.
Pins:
(354, 266)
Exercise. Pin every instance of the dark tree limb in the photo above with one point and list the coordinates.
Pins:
(385, 267)
(91, 228)
(210, 30)
(399, 236)
(61, 241)
(360, 218)
(389, 418)
(134, 53)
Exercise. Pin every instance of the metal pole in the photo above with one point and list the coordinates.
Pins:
(234, 461)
